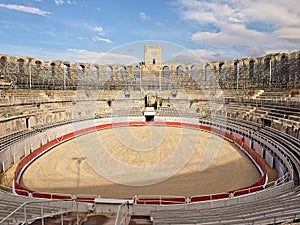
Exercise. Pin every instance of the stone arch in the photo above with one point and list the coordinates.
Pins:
(252, 72)
(236, 73)
(51, 79)
(123, 74)
(52, 69)
(194, 73)
(166, 73)
(3, 58)
(222, 74)
(180, 72)
(283, 75)
(37, 67)
(3, 63)
(94, 73)
(37, 63)
(36, 72)
(81, 69)
(207, 73)
(109, 73)
(137, 72)
(267, 74)
(66, 75)
(21, 65)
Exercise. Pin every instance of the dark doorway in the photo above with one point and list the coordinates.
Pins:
(27, 123)
(149, 118)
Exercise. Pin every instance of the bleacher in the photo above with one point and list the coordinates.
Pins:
(167, 111)
(25, 210)
(274, 210)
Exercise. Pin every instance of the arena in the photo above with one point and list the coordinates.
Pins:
(213, 180)
(151, 143)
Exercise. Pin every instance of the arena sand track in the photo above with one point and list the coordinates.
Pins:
(65, 169)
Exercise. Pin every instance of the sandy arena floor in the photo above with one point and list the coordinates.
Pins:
(142, 160)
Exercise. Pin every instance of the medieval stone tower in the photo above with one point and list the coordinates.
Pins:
(152, 55)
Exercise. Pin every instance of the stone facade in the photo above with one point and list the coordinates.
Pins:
(280, 70)
(152, 55)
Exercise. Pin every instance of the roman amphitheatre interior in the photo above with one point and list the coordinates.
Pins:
(150, 143)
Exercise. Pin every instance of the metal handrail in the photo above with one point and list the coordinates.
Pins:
(26, 219)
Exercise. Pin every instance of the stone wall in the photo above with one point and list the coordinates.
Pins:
(280, 70)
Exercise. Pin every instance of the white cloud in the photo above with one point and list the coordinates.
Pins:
(59, 2)
(144, 17)
(98, 29)
(83, 55)
(270, 25)
(82, 38)
(288, 34)
(25, 9)
(101, 39)
(230, 35)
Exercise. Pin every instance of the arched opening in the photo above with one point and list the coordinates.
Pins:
(267, 78)
(221, 79)
(207, 73)
(283, 76)
(236, 73)
(95, 73)
(109, 73)
(3, 62)
(21, 66)
(252, 73)
(166, 73)
(21, 79)
(194, 73)
(52, 76)
(35, 80)
(81, 72)
(37, 65)
(137, 72)
(180, 73)
(123, 75)
(66, 75)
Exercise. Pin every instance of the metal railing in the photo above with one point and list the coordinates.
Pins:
(34, 210)
(123, 214)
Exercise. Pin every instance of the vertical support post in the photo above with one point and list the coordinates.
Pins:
(42, 213)
(77, 216)
(270, 73)
(237, 75)
(62, 216)
(25, 215)
(64, 79)
(140, 79)
(29, 67)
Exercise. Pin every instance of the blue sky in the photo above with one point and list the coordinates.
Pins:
(115, 31)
